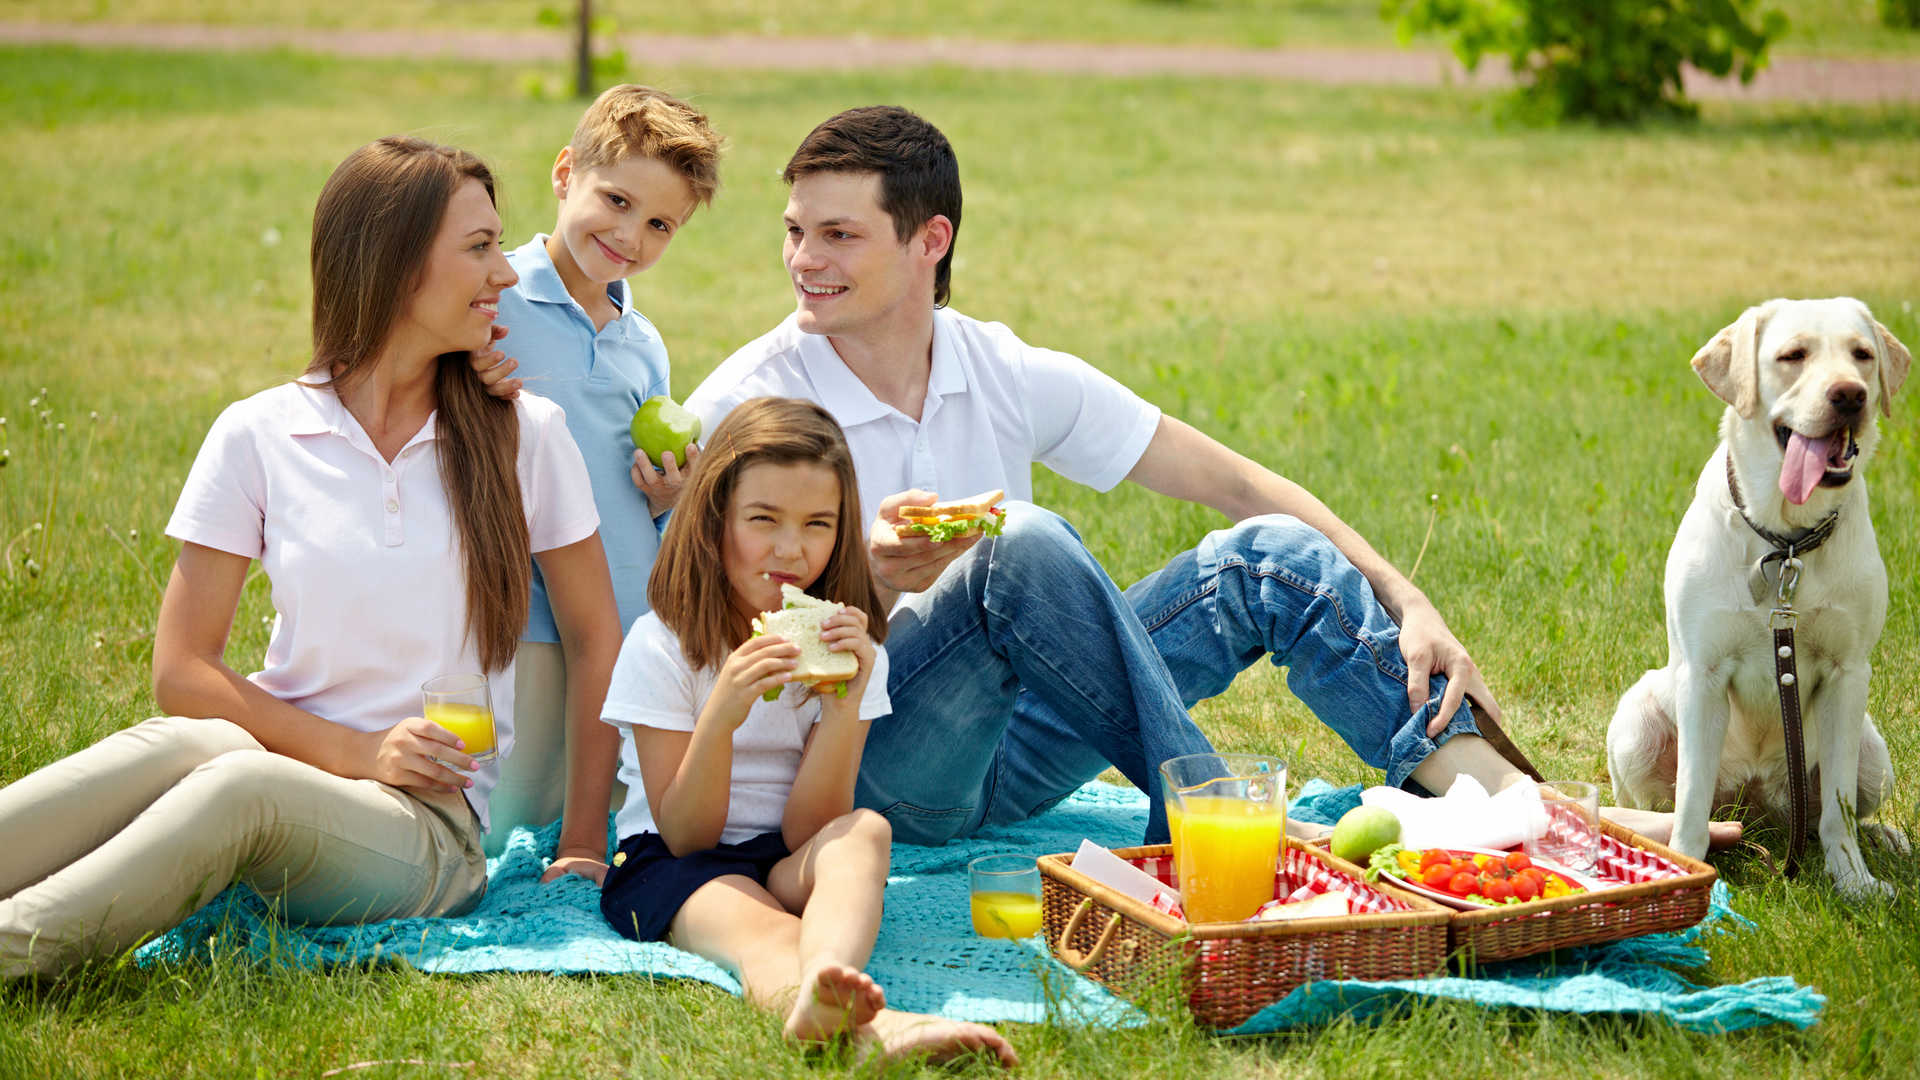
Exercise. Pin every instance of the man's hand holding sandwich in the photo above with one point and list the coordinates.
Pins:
(915, 537)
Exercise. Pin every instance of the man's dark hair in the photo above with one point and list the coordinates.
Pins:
(919, 176)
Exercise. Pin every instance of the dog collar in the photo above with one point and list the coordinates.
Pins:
(1784, 546)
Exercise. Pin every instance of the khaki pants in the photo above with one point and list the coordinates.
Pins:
(533, 778)
(131, 835)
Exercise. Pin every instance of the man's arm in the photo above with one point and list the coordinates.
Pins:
(1184, 463)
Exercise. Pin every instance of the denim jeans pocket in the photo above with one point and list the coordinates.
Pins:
(919, 825)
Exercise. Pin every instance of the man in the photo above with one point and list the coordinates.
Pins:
(1019, 670)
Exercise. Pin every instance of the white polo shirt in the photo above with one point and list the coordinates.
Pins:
(995, 405)
(654, 686)
(369, 587)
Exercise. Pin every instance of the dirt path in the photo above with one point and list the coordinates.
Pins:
(1856, 81)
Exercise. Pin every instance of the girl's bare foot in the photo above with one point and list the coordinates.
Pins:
(896, 1035)
(834, 1000)
(1658, 827)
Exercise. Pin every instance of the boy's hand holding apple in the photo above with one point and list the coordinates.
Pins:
(665, 435)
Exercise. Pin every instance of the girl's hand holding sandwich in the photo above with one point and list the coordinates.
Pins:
(846, 631)
(759, 665)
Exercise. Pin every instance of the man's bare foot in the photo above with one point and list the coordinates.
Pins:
(834, 1000)
(897, 1035)
(1658, 827)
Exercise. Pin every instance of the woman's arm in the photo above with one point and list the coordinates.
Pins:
(823, 788)
(688, 776)
(191, 678)
(581, 592)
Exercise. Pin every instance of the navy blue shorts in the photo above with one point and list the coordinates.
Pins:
(642, 895)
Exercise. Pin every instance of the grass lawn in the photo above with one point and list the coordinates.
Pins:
(1384, 294)
(1833, 27)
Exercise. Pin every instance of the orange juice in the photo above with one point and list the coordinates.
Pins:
(1224, 851)
(1006, 914)
(471, 724)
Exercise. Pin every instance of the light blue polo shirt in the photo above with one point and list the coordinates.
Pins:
(599, 379)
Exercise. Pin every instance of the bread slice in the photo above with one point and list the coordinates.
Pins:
(799, 622)
(954, 517)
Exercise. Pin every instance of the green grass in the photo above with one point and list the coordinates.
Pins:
(1827, 27)
(1384, 294)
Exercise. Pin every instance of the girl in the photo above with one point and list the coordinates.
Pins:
(393, 505)
(739, 840)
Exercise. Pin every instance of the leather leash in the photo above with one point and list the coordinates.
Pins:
(1781, 620)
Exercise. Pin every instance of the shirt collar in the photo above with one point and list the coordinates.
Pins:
(848, 399)
(320, 412)
(540, 281)
(948, 375)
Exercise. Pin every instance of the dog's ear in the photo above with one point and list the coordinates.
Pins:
(1730, 363)
(1894, 362)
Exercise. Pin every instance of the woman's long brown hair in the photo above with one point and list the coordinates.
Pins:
(372, 230)
(689, 589)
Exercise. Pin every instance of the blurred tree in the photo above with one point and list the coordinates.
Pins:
(1613, 61)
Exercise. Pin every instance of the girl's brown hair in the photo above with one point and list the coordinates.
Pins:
(689, 589)
(372, 230)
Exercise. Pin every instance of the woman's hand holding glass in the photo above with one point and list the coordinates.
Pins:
(418, 754)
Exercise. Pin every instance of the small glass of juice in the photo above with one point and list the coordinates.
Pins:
(463, 705)
(1005, 895)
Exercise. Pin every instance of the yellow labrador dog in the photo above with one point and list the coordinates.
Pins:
(1802, 380)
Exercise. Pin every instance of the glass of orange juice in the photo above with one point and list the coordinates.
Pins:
(1004, 895)
(1227, 814)
(463, 705)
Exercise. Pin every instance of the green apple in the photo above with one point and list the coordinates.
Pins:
(1363, 829)
(663, 426)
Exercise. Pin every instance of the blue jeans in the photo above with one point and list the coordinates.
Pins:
(1024, 671)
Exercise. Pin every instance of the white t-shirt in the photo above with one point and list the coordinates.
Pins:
(369, 586)
(653, 686)
(995, 405)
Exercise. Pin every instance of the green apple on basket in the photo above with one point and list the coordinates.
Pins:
(664, 426)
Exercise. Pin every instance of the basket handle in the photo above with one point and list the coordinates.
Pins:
(1072, 957)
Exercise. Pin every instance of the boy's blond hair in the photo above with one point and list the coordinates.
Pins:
(639, 121)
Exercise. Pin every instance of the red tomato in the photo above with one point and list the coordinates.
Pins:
(1525, 887)
(1496, 890)
(1517, 860)
(1463, 884)
(1436, 876)
(1434, 857)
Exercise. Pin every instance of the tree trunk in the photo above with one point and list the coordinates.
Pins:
(583, 52)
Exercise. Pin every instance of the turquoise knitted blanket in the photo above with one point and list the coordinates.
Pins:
(929, 960)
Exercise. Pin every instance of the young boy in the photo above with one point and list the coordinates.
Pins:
(638, 165)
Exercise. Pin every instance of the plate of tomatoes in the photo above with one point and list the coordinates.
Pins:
(1472, 879)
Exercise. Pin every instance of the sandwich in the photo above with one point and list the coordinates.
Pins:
(945, 520)
(798, 620)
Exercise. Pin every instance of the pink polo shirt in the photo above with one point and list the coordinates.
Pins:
(369, 588)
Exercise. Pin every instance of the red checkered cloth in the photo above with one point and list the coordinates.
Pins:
(1297, 870)
(1622, 864)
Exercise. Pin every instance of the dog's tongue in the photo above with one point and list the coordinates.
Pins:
(1805, 464)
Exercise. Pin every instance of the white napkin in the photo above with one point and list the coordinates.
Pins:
(1466, 816)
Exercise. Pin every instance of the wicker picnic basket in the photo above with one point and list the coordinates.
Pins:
(1226, 972)
(1651, 889)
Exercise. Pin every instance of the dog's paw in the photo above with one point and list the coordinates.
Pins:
(1886, 836)
(1861, 885)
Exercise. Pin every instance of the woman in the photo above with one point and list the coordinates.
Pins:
(393, 505)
